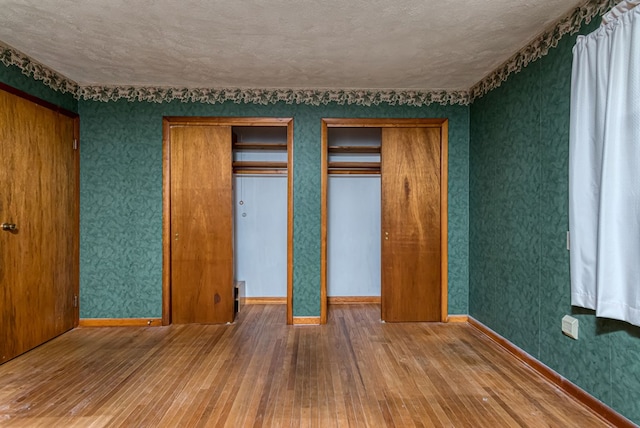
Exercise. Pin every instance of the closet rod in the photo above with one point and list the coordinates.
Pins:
(354, 165)
(354, 149)
(260, 146)
(253, 164)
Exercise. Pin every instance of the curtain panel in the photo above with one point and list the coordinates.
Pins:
(604, 170)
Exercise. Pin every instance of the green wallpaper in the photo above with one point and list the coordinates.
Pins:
(121, 199)
(518, 262)
(12, 76)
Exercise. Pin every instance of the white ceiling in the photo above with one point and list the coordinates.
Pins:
(373, 44)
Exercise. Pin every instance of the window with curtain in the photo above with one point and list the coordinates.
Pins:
(604, 167)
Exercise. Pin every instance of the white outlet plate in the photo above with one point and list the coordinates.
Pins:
(570, 326)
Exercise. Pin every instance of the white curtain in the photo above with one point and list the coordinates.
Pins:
(604, 170)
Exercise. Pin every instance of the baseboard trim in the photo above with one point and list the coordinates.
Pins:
(264, 300)
(306, 320)
(458, 318)
(353, 300)
(598, 407)
(120, 322)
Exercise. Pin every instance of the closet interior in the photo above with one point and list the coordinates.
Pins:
(260, 212)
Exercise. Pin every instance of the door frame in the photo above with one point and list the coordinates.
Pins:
(443, 124)
(170, 121)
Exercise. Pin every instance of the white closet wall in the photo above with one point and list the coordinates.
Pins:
(353, 223)
(353, 236)
(260, 218)
(261, 234)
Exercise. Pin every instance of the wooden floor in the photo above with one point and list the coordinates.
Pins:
(355, 371)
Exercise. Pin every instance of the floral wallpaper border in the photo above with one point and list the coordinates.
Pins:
(315, 97)
(540, 46)
(30, 67)
(537, 48)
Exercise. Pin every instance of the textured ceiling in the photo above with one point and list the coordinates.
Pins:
(374, 44)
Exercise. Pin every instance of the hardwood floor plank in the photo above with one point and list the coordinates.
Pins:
(259, 372)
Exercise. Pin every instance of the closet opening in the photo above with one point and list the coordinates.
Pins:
(384, 216)
(353, 215)
(227, 216)
(260, 213)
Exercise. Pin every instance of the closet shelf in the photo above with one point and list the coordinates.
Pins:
(354, 149)
(353, 168)
(354, 165)
(259, 165)
(260, 146)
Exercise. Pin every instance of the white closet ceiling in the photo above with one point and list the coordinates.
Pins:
(331, 44)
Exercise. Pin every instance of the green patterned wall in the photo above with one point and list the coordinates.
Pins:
(518, 263)
(13, 76)
(121, 199)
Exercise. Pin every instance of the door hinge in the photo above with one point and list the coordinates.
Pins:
(75, 144)
(75, 301)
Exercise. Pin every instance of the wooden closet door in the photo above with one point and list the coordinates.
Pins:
(38, 260)
(410, 177)
(201, 225)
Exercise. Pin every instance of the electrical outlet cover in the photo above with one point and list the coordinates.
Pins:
(570, 326)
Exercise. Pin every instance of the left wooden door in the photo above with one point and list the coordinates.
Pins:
(201, 224)
(39, 195)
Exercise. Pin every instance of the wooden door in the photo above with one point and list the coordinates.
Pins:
(38, 193)
(201, 224)
(410, 213)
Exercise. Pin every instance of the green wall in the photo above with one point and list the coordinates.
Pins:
(13, 76)
(518, 263)
(121, 199)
